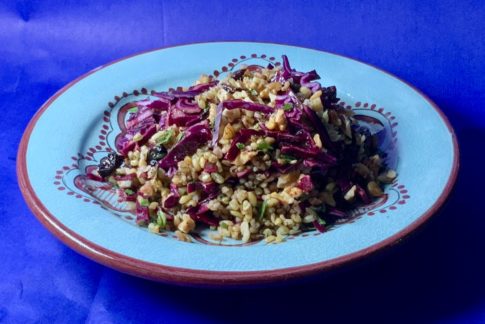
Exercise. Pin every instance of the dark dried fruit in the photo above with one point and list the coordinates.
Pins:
(295, 87)
(238, 75)
(156, 154)
(109, 164)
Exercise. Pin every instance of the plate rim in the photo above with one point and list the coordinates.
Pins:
(193, 277)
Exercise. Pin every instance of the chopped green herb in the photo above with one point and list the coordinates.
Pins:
(287, 158)
(240, 146)
(223, 225)
(165, 137)
(133, 110)
(287, 106)
(129, 192)
(180, 136)
(321, 221)
(319, 209)
(263, 146)
(262, 211)
(161, 218)
(254, 92)
(144, 202)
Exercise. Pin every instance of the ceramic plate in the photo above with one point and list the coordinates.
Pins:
(79, 124)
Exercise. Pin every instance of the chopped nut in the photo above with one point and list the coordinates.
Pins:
(287, 179)
(317, 94)
(317, 140)
(137, 137)
(228, 132)
(252, 199)
(185, 199)
(350, 195)
(216, 237)
(305, 92)
(147, 189)
(388, 176)
(316, 104)
(245, 231)
(186, 225)
(154, 228)
(153, 205)
(270, 239)
(182, 236)
(374, 189)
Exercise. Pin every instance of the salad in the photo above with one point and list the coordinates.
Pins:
(264, 153)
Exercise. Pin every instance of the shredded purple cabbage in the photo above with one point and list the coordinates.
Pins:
(194, 137)
(172, 198)
(142, 214)
(187, 106)
(305, 183)
(242, 137)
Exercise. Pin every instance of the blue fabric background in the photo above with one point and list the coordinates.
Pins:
(437, 275)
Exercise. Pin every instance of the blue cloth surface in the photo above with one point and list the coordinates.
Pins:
(437, 275)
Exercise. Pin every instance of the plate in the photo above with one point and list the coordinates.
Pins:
(79, 124)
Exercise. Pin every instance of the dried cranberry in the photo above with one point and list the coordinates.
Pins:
(295, 87)
(239, 74)
(156, 154)
(109, 164)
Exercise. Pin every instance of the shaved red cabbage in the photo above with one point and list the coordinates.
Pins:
(305, 183)
(243, 136)
(344, 184)
(336, 212)
(286, 72)
(209, 189)
(194, 137)
(188, 106)
(142, 214)
(243, 173)
(179, 118)
(129, 146)
(173, 197)
(235, 104)
(319, 127)
(202, 214)
(306, 79)
(165, 96)
(362, 194)
(159, 105)
(206, 219)
(217, 124)
(282, 136)
(203, 86)
(300, 152)
(190, 94)
(137, 118)
(311, 163)
(320, 227)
